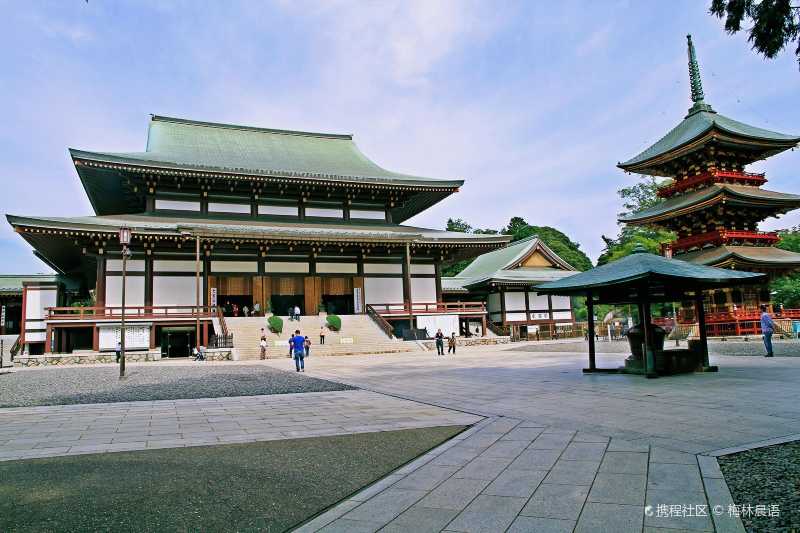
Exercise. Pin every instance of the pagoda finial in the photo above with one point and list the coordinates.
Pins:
(695, 81)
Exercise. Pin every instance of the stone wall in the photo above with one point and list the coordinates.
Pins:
(85, 358)
(468, 341)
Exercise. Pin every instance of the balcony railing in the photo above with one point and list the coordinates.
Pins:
(443, 308)
(708, 178)
(131, 312)
(725, 236)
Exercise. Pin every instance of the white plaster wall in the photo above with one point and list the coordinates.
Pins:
(175, 290)
(515, 301)
(493, 302)
(447, 323)
(383, 268)
(134, 265)
(513, 317)
(286, 266)
(383, 290)
(337, 268)
(283, 210)
(37, 300)
(234, 266)
(423, 290)
(134, 291)
(327, 212)
(422, 269)
(537, 301)
(561, 302)
(177, 205)
(164, 265)
(368, 214)
(226, 207)
(562, 315)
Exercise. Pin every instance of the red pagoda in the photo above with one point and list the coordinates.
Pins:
(711, 203)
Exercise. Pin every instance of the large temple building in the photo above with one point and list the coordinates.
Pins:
(234, 216)
(712, 204)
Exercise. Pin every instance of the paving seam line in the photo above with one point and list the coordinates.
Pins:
(434, 452)
(753, 445)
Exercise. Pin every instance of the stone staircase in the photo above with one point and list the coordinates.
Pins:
(367, 337)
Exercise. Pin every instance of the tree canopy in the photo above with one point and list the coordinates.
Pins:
(562, 245)
(640, 196)
(786, 289)
(773, 24)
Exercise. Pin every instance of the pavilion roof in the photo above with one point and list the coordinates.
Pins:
(736, 194)
(702, 124)
(650, 272)
(182, 144)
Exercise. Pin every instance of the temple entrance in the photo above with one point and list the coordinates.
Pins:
(177, 342)
(282, 303)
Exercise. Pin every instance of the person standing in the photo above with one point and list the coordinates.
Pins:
(767, 329)
(263, 346)
(307, 345)
(451, 343)
(298, 342)
(439, 342)
(246, 311)
(119, 351)
(322, 335)
(297, 312)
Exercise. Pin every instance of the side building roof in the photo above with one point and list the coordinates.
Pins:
(506, 266)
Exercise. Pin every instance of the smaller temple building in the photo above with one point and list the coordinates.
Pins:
(506, 280)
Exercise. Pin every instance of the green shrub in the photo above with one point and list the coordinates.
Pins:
(334, 322)
(275, 324)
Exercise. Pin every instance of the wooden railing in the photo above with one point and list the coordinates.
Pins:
(15, 348)
(724, 236)
(379, 320)
(222, 324)
(430, 308)
(131, 312)
(498, 329)
(714, 176)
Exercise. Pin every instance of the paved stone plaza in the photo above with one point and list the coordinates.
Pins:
(552, 449)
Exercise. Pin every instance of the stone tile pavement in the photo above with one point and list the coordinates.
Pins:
(47, 431)
(517, 475)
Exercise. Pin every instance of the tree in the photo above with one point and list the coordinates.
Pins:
(786, 289)
(458, 225)
(642, 195)
(774, 23)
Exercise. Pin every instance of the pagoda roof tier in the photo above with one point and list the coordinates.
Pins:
(742, 195)
(701, 126)
(188, 148)
(755, 257)
(39, 232)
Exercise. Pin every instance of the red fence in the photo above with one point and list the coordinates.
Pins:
(131, 312)
(460, 308)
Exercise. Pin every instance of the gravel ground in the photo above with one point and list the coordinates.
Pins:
(766, 476)
(59, 386)
(263, 486)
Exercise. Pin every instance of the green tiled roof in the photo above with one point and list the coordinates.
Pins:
(701, 120)
(744, 194)
(762, 255)
(500, 266)
(176, 143)
(12, 283)
(246, 226)
(641, 268)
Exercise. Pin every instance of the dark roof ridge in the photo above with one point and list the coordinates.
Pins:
(202, 123)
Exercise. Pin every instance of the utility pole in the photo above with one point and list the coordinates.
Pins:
(124, 240)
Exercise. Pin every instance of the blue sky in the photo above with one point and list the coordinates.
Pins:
(532, 103)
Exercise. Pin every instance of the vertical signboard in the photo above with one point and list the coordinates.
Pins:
(358, 300)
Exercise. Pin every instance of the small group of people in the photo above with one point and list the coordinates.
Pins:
(451, 343)
(234, 310)
(199, 353)
(294, 313)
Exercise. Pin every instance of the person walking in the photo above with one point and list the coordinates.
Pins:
(246, 311)
(298, 342)
(767, 329)
(290, 313)
(322, 335)
(307, 345)
(291, 346)
(297, 312)
(256, 309)
(451, 343)
(439, 342)
(263, 345)
(119, 351)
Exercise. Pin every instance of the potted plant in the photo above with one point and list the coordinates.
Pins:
(334, 322)
(275, 324)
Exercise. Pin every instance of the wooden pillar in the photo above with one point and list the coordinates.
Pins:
(649, 353)
(590, 333)
(527, 305)
(96, 339)
(48, 339)
(148, 281)
(483, 326)
(197, 289)
(700, 312)
(100, 283)
(407, 284)
(206, 288)
(437, 270)
(205, 333)
(153, 337)
(502, 293)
